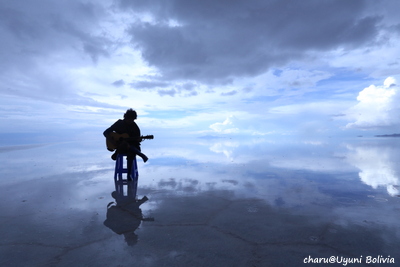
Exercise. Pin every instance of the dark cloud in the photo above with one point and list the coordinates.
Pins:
(32, 30)
(38, 37)
(118, 83)
(247, 89)
(178, 90)
(171, 92)
(233, 92)
(396, 28)
(95, 48)
(191, 93)
(216, 40)
(144, 85)
(188, 86)
(166, 88)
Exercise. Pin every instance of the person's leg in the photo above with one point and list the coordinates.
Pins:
(129, 164)
(137, 152)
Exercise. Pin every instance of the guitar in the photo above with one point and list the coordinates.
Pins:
(114, 139)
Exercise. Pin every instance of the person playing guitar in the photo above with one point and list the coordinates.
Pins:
(125, 128)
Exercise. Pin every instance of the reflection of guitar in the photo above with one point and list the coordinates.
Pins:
(114, 139)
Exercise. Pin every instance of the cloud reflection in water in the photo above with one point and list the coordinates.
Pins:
(378, 164)
(291, 192)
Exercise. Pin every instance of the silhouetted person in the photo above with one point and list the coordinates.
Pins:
(124, 215)
(127, 126)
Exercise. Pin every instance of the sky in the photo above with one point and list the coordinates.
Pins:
(200, 68)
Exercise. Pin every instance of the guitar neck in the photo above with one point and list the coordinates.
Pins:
(139, 138)
(133, 138)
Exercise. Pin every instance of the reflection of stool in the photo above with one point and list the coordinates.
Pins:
(131, 171)
(126, 191)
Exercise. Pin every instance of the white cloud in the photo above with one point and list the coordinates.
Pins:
(226, 127)
(226, 147)
(377, 106)
(377, 166)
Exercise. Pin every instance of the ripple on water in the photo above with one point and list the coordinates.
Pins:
(381, 199)
(333, 230)
(378, 199)
(347, 200)
(252, 209)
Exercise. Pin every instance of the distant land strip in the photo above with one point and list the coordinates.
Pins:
(20, 147)
(388, 135)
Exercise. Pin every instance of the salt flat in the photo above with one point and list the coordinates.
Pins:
(211, 202)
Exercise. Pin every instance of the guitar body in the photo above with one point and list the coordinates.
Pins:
(114, 139)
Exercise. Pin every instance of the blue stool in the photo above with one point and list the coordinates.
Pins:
(131, 171)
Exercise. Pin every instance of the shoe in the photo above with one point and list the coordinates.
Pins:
(114, 156)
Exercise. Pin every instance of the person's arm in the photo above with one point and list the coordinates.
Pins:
(136, 129)
(107, 132)
(111, 129)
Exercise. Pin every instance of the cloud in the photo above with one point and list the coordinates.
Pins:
(45, 44)
(377, 106)
(226, 127)
(170, 92)
(144, 85)
(166, 88)
(230, 93)
(264, 60)
(226, 147)
(118, 83)
(378, 166)
(216, 40)
(33, 30)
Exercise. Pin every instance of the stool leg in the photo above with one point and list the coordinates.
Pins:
(134, 176)
(120, 163)
(119, 168)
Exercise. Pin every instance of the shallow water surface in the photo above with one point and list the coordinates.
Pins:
(211, 202)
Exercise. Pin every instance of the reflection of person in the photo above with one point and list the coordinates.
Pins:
(127, 126)
(124, 216)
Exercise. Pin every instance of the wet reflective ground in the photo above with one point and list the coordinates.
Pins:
(211, 202)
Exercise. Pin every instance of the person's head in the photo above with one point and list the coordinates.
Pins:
(131, 238)
(130, 115)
